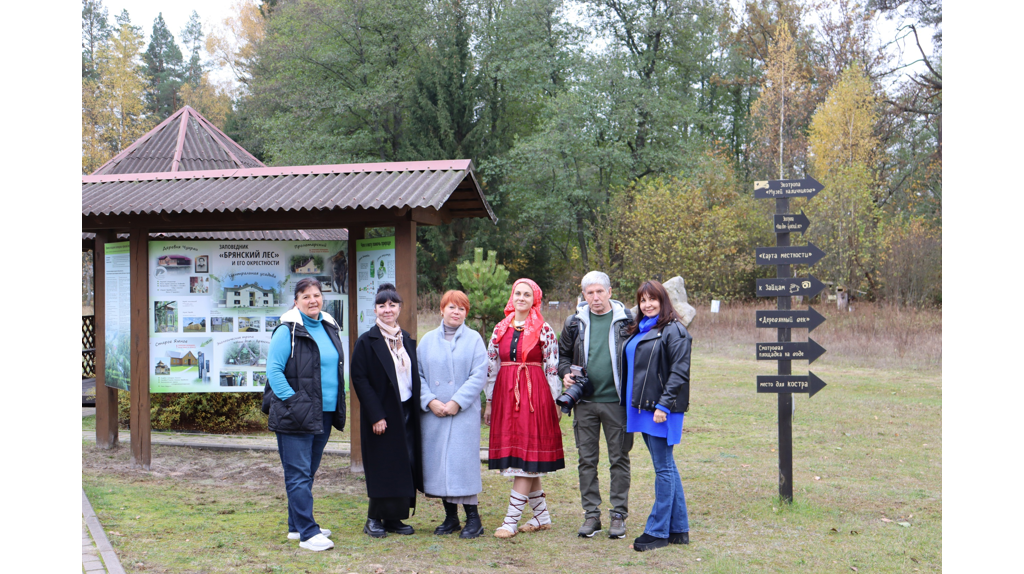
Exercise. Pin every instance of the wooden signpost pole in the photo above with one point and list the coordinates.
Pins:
(106, 397)
(783, 288)
(138, 394)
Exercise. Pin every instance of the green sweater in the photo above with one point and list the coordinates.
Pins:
(599, 359)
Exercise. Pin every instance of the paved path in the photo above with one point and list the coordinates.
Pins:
(97, 554)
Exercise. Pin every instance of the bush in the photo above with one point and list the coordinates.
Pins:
(207, 412)
(486, 285)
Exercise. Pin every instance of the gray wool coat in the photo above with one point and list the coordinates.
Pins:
(455, 370)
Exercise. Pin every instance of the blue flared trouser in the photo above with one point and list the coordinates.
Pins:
(668, 515)
(300, 457)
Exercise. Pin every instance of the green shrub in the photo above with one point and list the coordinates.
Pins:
(486, 285)
(207, 412)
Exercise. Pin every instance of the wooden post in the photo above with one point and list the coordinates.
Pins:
(139, 393)
(405, 271)
(785, 368)
(106, 397)
(355, 456)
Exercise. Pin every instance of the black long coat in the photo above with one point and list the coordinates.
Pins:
(375, 382)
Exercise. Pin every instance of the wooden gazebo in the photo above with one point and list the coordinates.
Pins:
(201, 184)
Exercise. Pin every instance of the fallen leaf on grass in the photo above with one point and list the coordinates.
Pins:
(698, 560)
(916, 561)
(904, 524)
(745, 465)
(377, 568)
(817, 478)
(854, 532)
(138, 517)
(834, 530)
(854, 568)
(227, 511)
(115, 533)
(886, 520)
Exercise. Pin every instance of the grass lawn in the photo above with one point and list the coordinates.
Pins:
(867, 490)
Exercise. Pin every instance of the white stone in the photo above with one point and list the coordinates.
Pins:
(676, 288)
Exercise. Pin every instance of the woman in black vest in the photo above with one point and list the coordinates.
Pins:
(383, 371)
(303, 398)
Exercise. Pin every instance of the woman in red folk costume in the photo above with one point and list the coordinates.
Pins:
(522, 384)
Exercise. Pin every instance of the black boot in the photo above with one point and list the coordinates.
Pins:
(473, 526)
(375, 528)
(451, 520)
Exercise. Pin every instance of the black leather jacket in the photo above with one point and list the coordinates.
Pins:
(661, 369)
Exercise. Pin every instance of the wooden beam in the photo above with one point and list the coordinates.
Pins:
(139, 345)
(355, 438)
(427, 216)
(241, 220)
(405, 272)
(106, 397)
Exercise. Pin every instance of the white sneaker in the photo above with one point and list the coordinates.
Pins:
(296, 535)
(317, 543)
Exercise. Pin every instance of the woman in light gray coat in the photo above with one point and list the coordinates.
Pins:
(453, 370)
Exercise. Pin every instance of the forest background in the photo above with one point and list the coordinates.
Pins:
(611, 134)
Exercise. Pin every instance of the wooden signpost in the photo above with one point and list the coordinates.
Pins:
(784, 287)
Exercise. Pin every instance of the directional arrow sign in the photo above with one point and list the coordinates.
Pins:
(792, 223)
(808, 319)
(801, 254)
(790, 351)
(779, 188)
(789, 286)
(790, 384)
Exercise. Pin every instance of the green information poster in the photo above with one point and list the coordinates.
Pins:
(375, 264)
(213, 306)
(117, 316)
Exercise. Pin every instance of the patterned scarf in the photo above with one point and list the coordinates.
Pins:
(534, 321)
(393, 335)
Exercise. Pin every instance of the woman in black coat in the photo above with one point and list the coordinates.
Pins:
(384, 375)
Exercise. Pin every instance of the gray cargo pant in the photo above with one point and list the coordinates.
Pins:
(586, 425)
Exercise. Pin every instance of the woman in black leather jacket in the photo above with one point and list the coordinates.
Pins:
(656, 361)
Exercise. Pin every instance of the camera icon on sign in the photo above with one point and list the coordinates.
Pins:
(806, 284)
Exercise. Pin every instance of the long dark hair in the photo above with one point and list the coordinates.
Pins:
(654, 290)
(387, 292)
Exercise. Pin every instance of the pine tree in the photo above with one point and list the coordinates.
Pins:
(164, 69)
(192, 40)
(95, 31)
(122, 110)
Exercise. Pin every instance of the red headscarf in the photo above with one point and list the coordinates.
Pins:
(534, 322)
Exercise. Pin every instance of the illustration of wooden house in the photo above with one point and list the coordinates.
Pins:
(249, 295)
(162, 368)
(188, 360)
(307, 266)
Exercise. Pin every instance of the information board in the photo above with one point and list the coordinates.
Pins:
(117, 316)
(213, 306)
(375, 264)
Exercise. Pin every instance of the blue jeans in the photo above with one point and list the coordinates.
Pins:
(668, 515)
(300, 457)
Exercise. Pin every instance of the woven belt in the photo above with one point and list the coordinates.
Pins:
(520, 367)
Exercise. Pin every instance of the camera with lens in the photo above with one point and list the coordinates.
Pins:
(581, 388)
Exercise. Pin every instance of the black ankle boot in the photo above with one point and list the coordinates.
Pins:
(451, 520)
(473, 526)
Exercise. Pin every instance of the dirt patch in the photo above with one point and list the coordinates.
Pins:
(243, 469)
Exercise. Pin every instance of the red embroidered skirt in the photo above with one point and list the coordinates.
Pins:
(524, 418)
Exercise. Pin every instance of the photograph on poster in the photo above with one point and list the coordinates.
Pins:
(199, 285)
(325, 283)
(253, 294)
(306, 264)
(174, 262)
(248, 324)
(339, 271)
(335, 308)
(203, 264)
(259, 378)
(272, 323)
(165, 316)
(178, 363)
(244, 352)
(222, 324)
(233, 379)
(193, 324)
